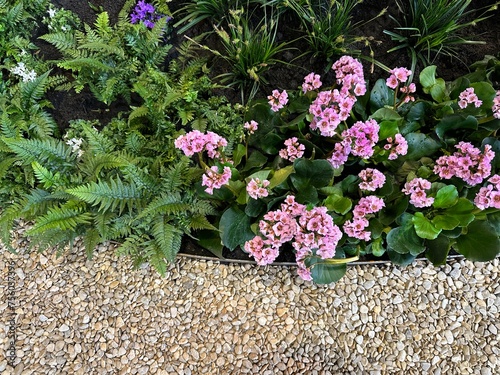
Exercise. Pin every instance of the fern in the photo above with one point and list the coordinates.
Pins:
(95, 163)
(42, 124)
(45, 151)
(102, 25)
(33, 91)
(100, 46)
(91, 239)
(168, 239)
(60, 218)
(165, 205)
(85, 63)
(97, 141)
(46, 177)
(109, 196)
(62, 41)
(199, 222)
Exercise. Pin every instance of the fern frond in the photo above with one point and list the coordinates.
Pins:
(91, 239)
(198, 222)
(135, 142)
(5, 164)
(42, 124)
(110, 195)
(60, 218)
(185, 116)
(62, 41)
(44, 151)
(102, 25)
(137, 113)
(44, 176)
(100, 46)
(168, 239)
(140, 178)
(95, 163)
(37, 201)
(32, 91)
(98, 142)
(165, 205)
(8, 216)
(84, 63)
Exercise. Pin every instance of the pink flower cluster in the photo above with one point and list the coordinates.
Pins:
(416, 190)
(257, 188)
(496, 105)
(467, 97)
(333, 106)
(278, 100)
(410, 89)
(398, 75)
(251, 126)
(196, 141)
(293, 149)
(398, 146)
(311, 82)
(371, 179)
(362, 137)
(349, 73)
(355, 228)
(489, 196)
(329, 109)
(359, 140)
(309, 230)
(212, 179)
(467, 163)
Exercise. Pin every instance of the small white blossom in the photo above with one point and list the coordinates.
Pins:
(51, 12)
(75, 144)
(21, 70)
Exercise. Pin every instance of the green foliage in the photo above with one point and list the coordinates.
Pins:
(109, 58)
(428, 28)
(250, 51)
(196, 11)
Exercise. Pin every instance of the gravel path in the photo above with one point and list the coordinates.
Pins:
(100, 317)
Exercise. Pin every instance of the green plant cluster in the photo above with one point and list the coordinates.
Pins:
(128, 182)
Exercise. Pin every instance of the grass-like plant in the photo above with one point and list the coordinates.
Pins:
(327, 24)
(250, 51)
(429, 28)
(198, 10)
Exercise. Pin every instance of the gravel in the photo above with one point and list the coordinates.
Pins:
(76, 316)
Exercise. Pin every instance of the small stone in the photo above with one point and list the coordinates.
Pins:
(397, 299)
(64, 328)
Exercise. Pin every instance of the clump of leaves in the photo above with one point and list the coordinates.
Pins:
(428, 28)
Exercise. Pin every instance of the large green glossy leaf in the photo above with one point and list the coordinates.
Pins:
(446, 197)
(400, 259)
(338, 203)
(388, 129)
(255, 160)
(323, 272)
(424, 227)
(481, 242)
(437, 250)
(235, 228)
(238, 154)
(420, 145)
(455, 122)
(432, 85)
(210, 240)
(316, 173)
(404, 239)
(381, 95)
(393, 210)
(280, 176)
(485, 92)
(386, 114)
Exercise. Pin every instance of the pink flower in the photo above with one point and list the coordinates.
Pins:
(196, 141)
(257, 188)
(278, 100)
(368, 205)
(416, 190)
(496, 106)
(489, 196)
(362, 137)
(349, 73)
(468, 164)
(398, 75)
(340, 154)
(356, 228)
(212, 179)
(311, 82)
(261, 250)
(371, 179)
(398, 147)
(251, 126)
(293, 150)
(467, 97)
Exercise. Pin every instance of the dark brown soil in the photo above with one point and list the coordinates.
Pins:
(70, 106)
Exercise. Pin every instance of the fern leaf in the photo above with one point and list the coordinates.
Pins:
(165, 205)
(95, 163)
(5, 165)
(91, 239)
(137, 113)
(60, 218)
(33, 91)
(42, 124)
(97, 141)
(85, 63)
(43, 151)
(62, 41)
(168, 239)
(102, 25)
(44, 176)
(198, 222)
(110, 195)
(99, 46)
(185, 116)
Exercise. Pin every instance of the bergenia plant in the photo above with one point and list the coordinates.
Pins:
(330, 174)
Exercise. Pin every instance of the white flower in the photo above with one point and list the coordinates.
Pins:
(20, 70)
(51, 12)
(75, 144)
(64, 28)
